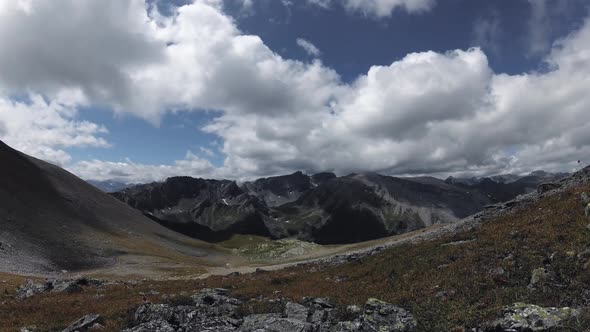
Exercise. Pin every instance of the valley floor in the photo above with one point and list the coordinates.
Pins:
(454, 279)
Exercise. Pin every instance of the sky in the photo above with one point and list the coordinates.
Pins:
(141, 90)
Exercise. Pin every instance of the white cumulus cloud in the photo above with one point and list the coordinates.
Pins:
(379, 8)
(427, 113)
(309, 47)
(130, 172)
(45, 129)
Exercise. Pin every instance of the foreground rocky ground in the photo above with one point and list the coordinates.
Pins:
(521, 266)
(215, 310)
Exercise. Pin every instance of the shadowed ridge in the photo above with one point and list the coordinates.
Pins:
(52, 220)
(18, 174)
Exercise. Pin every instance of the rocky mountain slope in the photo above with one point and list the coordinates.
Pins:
(507, 186)
(321, 208)
(207, 209)
(368, 206)
(50, 220)
(279, 190)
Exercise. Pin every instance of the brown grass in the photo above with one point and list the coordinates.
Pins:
(447, 287)
(9, 282)
(451, 287)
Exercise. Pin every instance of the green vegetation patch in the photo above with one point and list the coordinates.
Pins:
(277, 250)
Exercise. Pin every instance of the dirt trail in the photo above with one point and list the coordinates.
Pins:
(331, 253)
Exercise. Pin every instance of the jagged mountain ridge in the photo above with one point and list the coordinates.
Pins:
(279, 190)
(209, 209)
(322, 208)
(359, 207)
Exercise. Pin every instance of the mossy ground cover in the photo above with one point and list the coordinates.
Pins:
(447, 287)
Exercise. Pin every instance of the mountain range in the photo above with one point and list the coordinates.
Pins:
(51, 220)
(321, 208)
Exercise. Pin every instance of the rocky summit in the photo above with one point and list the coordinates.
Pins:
(321, 208)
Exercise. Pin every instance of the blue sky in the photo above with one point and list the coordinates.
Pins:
(137, 97)
(144, 142)
(350, 43)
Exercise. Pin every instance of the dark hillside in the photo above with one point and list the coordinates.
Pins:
(51, 221)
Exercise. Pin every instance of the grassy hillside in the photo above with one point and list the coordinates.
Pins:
(449, 284)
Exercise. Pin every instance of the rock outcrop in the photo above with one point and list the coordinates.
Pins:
(215, 310)
(30, 288)
(380, 316)
(92, 321)
(521, 317)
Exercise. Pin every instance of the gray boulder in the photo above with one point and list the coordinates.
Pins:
(318, 302)
(296, 311)
(84, 324)
(153, 312)
(212, 310)
(273, 323)
(521, 317)
(68, 287)
(191, 318)
(354, 309)
(153, 326)
(346, 326)
(29, 289)
(381, 316)
(319, 316)
(216, 301)
(540, 277)
(164, 318)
